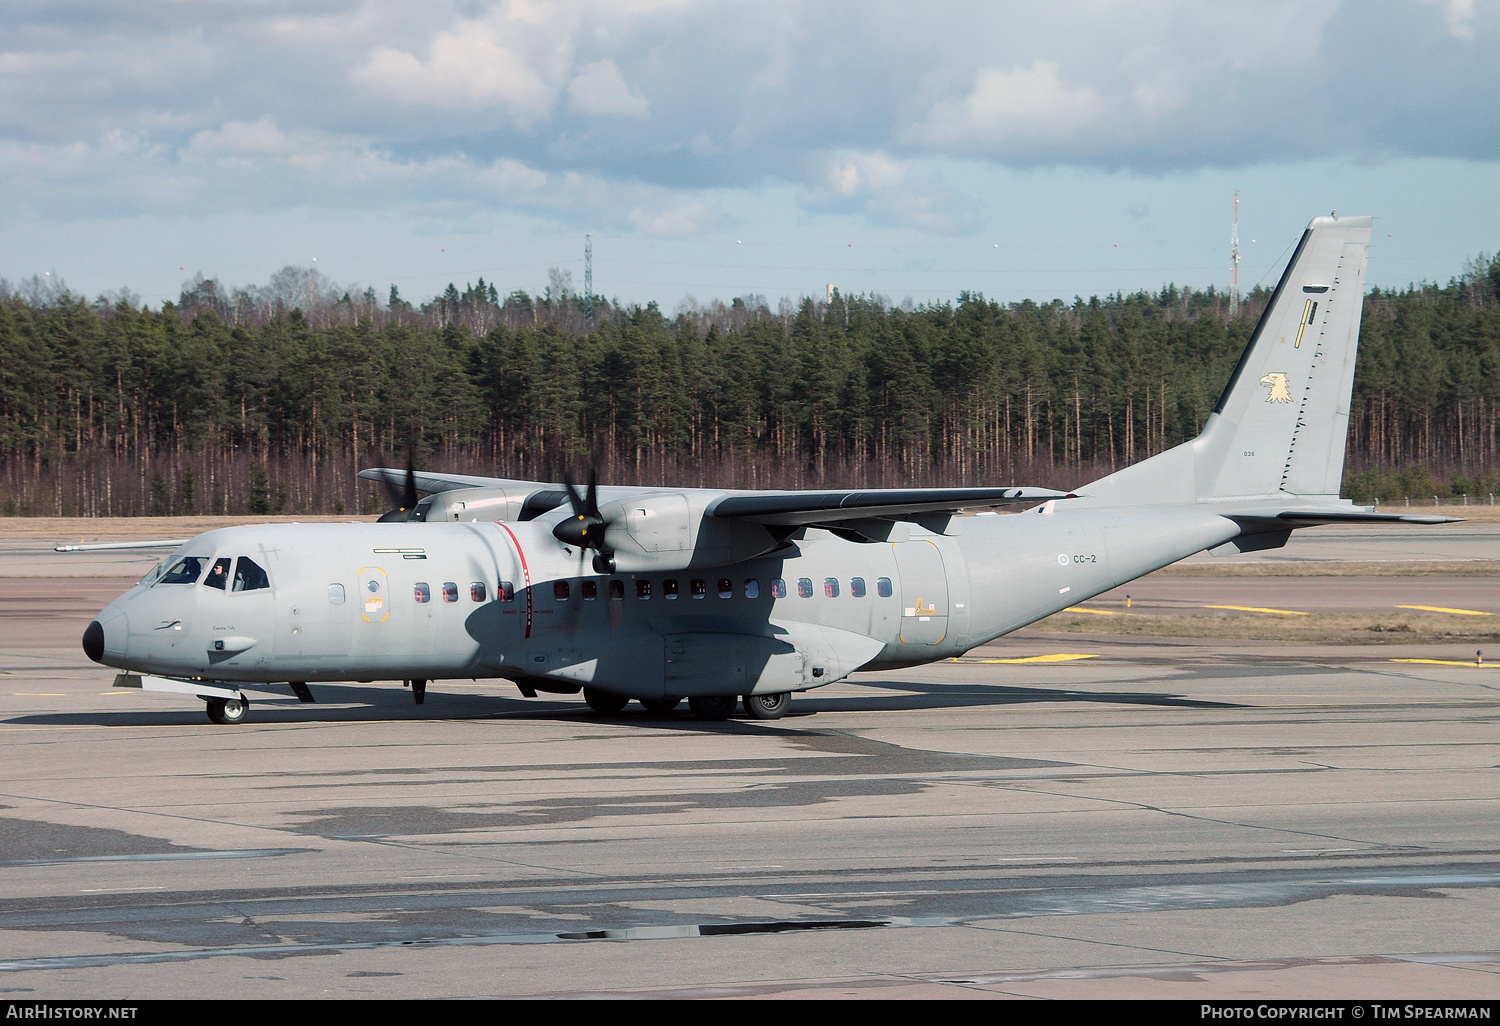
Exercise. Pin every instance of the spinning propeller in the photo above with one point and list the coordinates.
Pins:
(587, 528)
(405, 500)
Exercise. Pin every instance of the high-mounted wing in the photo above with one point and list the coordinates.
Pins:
(796, 509)
(430, 483)
(160, 543)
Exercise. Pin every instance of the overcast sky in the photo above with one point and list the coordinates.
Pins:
(715, 149)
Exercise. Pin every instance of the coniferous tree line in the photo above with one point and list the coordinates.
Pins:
(269, 399)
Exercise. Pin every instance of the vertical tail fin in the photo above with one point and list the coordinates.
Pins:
(1281, 423)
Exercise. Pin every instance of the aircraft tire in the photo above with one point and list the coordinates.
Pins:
(712, 707)
(605, 702)
(660, 706)
(228, 711)
(768, 707)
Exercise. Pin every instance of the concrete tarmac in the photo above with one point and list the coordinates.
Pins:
(1168, 819)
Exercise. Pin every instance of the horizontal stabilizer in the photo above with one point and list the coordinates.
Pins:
(791, 509)
(1271, 516)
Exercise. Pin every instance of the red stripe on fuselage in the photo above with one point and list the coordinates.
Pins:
(525, 574)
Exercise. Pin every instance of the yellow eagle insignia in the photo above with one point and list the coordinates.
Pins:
(1279, 391)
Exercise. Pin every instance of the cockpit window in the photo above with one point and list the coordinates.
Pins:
(186, 570)
(218, 574)
(248, 576)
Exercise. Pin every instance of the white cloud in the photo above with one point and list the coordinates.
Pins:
(629, 112)
(1031, 101)
(865, 172)
(600, 90)
(674, 222)
(476, 64)
(243, 139)
(1459, 15)
(507, 175)
(882, 188)
(248, 142)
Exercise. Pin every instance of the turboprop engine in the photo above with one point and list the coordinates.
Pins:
(653, 531)
(669, 531)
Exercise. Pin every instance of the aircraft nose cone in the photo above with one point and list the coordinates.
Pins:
(93, 641)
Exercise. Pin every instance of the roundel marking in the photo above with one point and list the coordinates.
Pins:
(1062, 559)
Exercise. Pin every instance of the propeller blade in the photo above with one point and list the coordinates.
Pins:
(409, 495)
(404, 498)
(587, 527)
(574, 498)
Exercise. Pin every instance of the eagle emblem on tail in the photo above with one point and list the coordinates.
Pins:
(1279, 391)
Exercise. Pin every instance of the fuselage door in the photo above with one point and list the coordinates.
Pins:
(374, 595)
(924, 593)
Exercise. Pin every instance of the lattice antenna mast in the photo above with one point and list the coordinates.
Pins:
(1234, 256)
(588, 274)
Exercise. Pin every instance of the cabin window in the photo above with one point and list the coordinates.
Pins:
(248, 576)
(699, 588)
(778, 588)
(857, 587)
(476, 591)
(589, 590)
(830, 587)
(186, 570)
(218, 574)
(450, 591)
(883, 587)
(752, 588)
(804, 587)
(506, 592)
(643, 589)
(669, 588)
(561, 591)
(726, 588)
(335, 594)
(617, 590)
(421, 592)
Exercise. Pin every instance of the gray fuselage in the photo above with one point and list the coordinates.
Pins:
(506, 599)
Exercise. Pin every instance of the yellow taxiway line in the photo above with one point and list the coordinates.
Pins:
(1096, 612)
(1445, 609)
(1450, 662)
(1261, 609)
(1055, 657)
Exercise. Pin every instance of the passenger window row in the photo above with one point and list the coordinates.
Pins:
(698, 588)
(478, 591)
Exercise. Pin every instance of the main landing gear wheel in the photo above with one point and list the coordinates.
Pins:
(228, 711)
(712, 707)
(604, 701)
(660, 706)
(768, 707)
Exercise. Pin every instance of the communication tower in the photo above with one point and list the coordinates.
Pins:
(588, 269)
(1234, 256)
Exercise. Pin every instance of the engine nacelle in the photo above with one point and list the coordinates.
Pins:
(660, 531)
(466, 504)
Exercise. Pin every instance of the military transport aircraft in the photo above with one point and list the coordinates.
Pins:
(716, 596)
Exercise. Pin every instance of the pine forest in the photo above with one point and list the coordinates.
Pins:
(264, 400)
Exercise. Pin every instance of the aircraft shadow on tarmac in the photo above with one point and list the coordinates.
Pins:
(355, 704)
